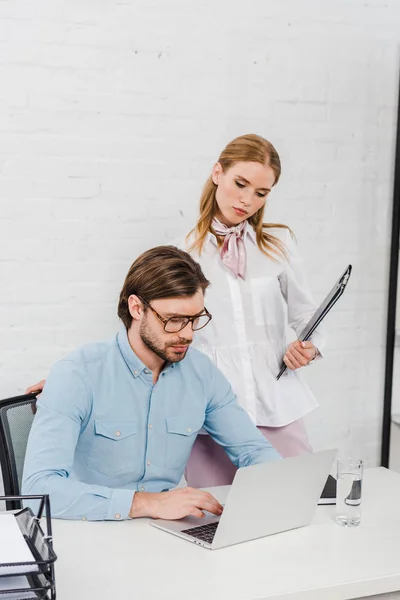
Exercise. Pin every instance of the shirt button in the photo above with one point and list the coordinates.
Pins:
(142, 489)
(147, 371)
(117, 433)
(149, 462)
(83, 518)
(189, 429)
(150, 426)
(117, 516)
(136, 373)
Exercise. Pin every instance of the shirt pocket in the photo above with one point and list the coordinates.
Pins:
(264, 294)
(181, 434)
(114, 447)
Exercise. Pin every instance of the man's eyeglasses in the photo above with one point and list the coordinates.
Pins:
(175, 324)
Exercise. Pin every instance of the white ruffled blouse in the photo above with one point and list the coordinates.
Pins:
(247, 336)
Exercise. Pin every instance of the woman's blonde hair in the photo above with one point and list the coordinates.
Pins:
(246, 148)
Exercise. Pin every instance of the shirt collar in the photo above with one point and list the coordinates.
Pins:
(250, 232)
(135, 365)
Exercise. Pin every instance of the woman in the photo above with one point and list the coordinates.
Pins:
(253, 268)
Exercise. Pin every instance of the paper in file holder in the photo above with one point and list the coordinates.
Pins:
(34, 578)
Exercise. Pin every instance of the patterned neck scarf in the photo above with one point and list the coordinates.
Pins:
(233, 251)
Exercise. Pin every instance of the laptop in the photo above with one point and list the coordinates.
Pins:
(263, 499)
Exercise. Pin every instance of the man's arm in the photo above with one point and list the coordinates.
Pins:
(62, 410)
(231, 427)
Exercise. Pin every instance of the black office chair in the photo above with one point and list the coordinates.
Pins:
(16, 417)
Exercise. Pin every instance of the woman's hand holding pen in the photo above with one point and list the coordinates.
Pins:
(299, 354)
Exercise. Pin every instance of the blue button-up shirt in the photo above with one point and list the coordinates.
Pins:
(103, 430)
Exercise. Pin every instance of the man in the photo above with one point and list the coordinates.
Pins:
(116, 420)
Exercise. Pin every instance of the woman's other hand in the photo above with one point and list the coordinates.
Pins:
(37, 387)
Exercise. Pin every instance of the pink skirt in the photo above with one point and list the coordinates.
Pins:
(209, 465)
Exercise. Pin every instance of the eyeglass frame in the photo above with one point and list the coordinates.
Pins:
(189, 319)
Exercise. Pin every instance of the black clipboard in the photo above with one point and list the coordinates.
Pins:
(322, 311)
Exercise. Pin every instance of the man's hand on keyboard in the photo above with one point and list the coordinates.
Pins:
(176, 504)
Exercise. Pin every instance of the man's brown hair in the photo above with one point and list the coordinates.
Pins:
(161, 272)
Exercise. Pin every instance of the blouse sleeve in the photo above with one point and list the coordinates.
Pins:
(297, 294)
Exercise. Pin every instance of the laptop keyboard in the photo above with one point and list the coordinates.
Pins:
(205, 533)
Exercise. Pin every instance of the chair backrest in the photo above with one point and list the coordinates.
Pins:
(16, 417)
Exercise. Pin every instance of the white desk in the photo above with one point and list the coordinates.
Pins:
(130, 559)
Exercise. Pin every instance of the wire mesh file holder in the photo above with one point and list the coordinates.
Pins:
(39, 572)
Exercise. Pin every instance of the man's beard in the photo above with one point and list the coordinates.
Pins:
(165, 352)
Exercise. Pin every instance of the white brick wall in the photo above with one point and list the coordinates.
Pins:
(111, 114)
